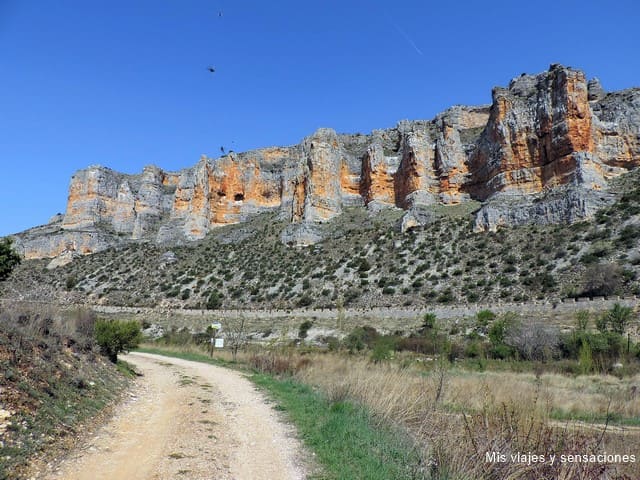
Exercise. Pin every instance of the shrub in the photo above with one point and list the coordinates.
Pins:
(70, 282)
(533, 341)
(360, 338)
(214, 301)
(619, 317)
(429, 323)
(582, 320)
(483, 317)
(9, 259)
(585, 358)
(115, 337)
(305, 300)
(602, 279)
(383, 348)
(498, 331)
(304, 329)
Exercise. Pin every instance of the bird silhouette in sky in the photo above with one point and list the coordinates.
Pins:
(211, 69)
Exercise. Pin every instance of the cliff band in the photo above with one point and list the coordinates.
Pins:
(542, 152)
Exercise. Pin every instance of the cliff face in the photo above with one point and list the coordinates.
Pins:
(549, 133)
(541, 152)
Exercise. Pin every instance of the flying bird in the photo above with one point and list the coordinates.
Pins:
(211, 69)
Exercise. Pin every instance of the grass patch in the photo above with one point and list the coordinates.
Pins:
(346, 439)
(594, 418)
(126, 369)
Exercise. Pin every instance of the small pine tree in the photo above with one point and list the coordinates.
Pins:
(214, 301)
(9, 259)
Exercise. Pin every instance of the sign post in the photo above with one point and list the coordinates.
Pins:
(213, 341)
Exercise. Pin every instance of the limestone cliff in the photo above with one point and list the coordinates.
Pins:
(541, 152)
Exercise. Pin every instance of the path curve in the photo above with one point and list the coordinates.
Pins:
(188, 420)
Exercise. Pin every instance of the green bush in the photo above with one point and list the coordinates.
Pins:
(383, 348)
(115, 337)
(429, 323)
(304, 329)
(619, 316)
(502, 352)
(70, 282)
(483, 317)
(360, 338)
(305, 300)
(9, 259)
(214, 301)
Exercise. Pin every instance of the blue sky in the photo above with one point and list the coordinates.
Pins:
(125, 83)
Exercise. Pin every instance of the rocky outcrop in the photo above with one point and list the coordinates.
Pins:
(535, 125)
(541, 152)
(565, 204)
(616, 127)
(546, 131)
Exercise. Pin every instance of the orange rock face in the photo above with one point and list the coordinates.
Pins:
(378, 172)
(220, 192)
(456, 131)
(349, 181)
(525, 149)
(541, 132)
(321, 168)
(416, 170)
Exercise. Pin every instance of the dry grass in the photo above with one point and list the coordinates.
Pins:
(459, 416)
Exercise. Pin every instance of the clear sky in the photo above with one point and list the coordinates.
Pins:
(124, 83)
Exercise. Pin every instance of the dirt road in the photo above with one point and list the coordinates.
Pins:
(187, 420)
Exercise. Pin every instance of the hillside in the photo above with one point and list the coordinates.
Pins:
(364, 260)
(53, 381)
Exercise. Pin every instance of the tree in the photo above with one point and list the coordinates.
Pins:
(614, 320)
(602, 279)
(533, 341)
(214, 301)
(304, 329)
(9, 259)
(115, 337)
(429, 324)
(235, 335)
(585, 358)
(619, 317)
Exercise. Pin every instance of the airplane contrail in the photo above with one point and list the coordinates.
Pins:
(407, 38)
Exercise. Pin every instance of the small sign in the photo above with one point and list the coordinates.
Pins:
(219, 342)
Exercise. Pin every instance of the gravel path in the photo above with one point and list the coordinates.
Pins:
(187, 420)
